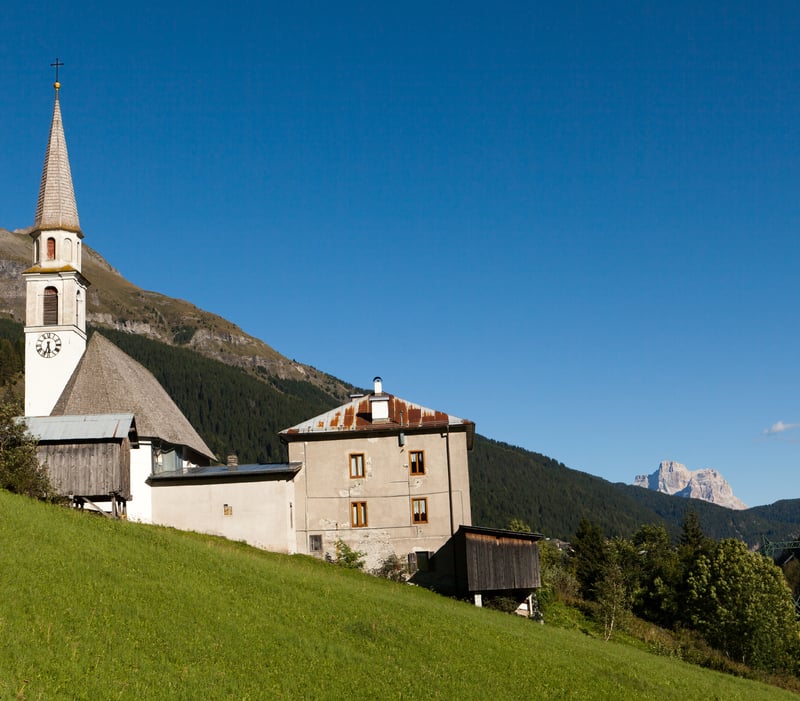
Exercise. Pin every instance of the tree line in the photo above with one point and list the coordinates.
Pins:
(737, 601)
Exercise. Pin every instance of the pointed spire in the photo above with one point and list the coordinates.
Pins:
(56, 208)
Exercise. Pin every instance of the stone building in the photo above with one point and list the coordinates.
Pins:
(383, 474)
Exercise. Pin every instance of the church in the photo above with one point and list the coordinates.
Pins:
(387, 477)
(66, 378)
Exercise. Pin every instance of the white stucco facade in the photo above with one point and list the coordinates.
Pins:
(255, 508)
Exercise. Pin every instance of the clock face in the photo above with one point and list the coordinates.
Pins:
(48, 345)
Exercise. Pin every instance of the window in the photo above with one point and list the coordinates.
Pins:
(358, 514)
(417, 462)
(315, 543)
(419, 510)
(51, 249)
(356, 465)
(420, 560)
(36, 251)
(68, 250)
(50, 317)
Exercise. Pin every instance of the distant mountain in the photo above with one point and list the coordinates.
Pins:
(674, 478)
(238, 392)
(510, 482)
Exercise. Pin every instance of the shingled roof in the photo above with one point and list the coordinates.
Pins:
(107, 381)
(56, 207)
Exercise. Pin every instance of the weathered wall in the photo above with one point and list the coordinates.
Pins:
(325, 492)
(88, 469)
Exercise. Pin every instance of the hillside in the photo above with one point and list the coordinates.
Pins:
(510, 482)
(96, 608)
(237, 413)
(239, 393)
(115, 303)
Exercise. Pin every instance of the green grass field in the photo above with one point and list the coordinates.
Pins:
(97, 609)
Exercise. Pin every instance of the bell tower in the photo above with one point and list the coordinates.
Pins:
(55, 318)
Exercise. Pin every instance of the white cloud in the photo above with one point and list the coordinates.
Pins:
(778, 427)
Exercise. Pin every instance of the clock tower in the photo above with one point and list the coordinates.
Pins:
(55, 318)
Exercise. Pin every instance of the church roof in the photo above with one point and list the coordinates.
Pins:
(56, 208)
(107, 381)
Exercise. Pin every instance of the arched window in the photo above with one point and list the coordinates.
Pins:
(78, 300)
(68, 250)
(51, 248)
(78, 253)
(50, 317)
(36, 251)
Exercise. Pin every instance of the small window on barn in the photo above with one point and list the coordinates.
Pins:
(315, 543)
(356, 465)
(417, 458)
(51, 248)
(50, 316)
(419, 510)
(358, 514)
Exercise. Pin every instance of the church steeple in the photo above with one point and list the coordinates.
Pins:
(55, 316)
(56, 208)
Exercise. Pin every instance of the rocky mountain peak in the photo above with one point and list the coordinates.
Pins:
(674, 478)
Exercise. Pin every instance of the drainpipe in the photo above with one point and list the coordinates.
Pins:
(449, 479)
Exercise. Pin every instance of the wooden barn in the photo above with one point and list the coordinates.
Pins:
(479, 561)
(88, 457)
(490, 560)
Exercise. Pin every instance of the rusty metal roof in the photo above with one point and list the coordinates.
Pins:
(356, 415)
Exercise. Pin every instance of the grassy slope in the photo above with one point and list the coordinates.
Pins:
(93, 608)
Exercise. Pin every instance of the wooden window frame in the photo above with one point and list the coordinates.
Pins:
(315, 543)
(358, 514)
(51, 248)
(356, 463)
(416, 512)
(416, 467)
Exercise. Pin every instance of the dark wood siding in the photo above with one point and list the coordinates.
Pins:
(88, 469)
(496, 563)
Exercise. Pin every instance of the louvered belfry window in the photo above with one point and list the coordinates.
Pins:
(51, 249)
(50, 306)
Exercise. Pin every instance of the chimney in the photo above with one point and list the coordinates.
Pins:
(233, 462)
(379, 403)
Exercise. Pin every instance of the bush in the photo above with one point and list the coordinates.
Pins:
(20, 471)
(347, 557)
(392, 568)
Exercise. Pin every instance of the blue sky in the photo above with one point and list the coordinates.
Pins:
(575, 224)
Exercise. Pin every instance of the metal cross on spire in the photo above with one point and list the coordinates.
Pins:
(57, 64)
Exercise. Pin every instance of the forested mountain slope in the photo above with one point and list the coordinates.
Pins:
(510, 482)
(236, 412)
(239, 393)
